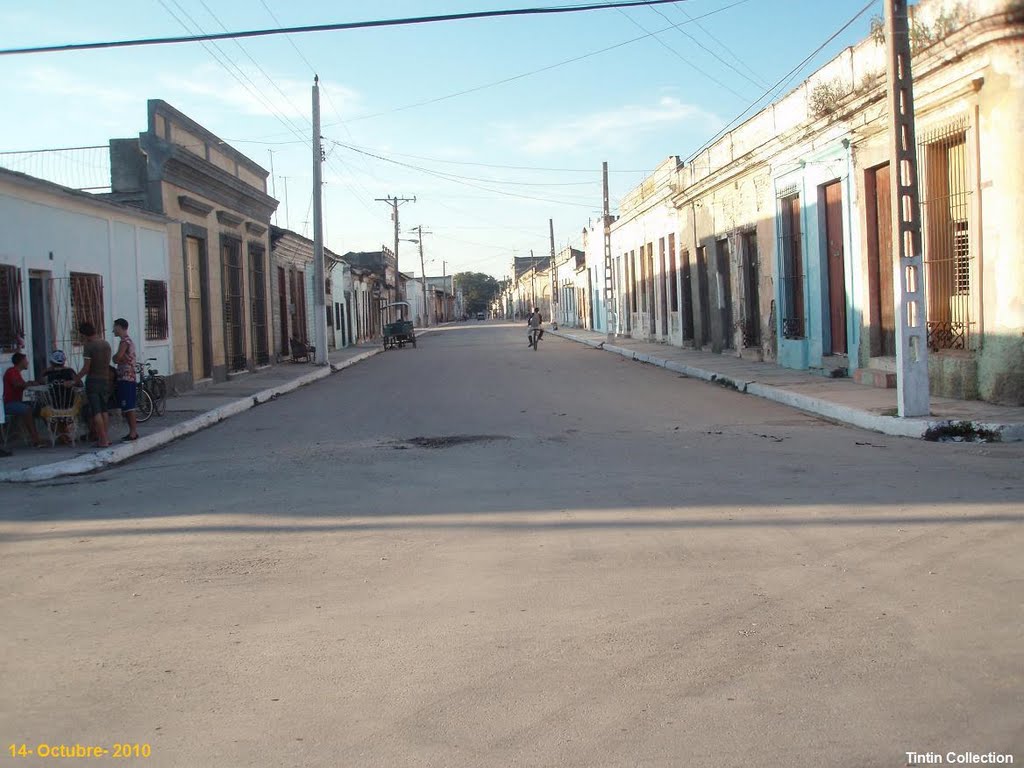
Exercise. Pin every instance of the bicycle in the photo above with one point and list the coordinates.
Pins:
(152, 391)
(535, 336)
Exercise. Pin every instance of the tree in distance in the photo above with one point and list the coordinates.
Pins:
(478, 290)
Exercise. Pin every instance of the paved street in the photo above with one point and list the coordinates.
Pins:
(474, 554)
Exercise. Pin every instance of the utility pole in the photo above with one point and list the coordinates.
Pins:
(287, 222)
(273, 182)
(444, 287)
(423, 271)
(554, 279)
(394, 202)
(533, 282)
(609, 294)
(912, 395)
(320, 281)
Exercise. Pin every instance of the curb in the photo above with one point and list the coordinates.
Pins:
(81, 465)
(843, 414)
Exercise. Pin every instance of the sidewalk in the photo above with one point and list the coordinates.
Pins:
(184, 415)
(840, 400)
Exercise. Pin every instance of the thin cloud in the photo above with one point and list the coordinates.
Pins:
(612, 128)
(55, 81)
(213, 83)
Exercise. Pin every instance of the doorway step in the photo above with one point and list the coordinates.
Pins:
(833, 367)
(880, 373)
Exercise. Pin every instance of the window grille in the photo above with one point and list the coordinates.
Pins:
(87, 300)
(155, 294)
(792, 272)
(258, 308)
(234, 316)
(12, 320)
(948, 255)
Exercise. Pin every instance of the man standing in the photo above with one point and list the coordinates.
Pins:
(127, 390)
(14, 391)
(97, 385)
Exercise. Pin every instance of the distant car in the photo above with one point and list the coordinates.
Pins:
(479, 315)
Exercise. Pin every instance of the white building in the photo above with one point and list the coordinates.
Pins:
(68, 257)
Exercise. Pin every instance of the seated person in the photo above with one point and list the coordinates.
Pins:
(14, 392)
(65, 402)
(56, 373)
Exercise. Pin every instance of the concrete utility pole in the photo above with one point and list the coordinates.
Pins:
(533, 282)
(912, 394)
(394, 202)
(554, 279)
(611, 314)
(320, 281)
(423, 271)
(444, 287)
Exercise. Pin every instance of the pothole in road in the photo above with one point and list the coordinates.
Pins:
(445, 441)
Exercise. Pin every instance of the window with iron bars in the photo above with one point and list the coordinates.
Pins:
(155, 294)
(792, 272)
(87, 300)
(948, 260)
(234, 298)
(12, 320)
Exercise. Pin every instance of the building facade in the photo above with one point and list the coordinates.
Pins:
(775, 241)
(220, 280)
(67, 257)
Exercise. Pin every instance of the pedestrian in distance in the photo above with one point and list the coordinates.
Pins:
(127, 388)
(95, 371)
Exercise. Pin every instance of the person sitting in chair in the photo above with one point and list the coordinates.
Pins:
(65, 403)
(14, 393)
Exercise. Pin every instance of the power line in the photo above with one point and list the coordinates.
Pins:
(697, 41)
(538, 71)
(757, 78)
(783, 82)
(334, 107)
(447, 177)
(244, 80)
(51, 149)
(507, 167)
(682, 58)
(336, 27)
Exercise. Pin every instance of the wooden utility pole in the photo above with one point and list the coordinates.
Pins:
(319, 279)
(912, 395)
(611, 314)
(394, 202)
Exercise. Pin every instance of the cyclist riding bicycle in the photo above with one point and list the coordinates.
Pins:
(534, 322)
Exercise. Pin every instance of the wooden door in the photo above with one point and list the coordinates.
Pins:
(883, 309)
(197, 319)
(836, 259)
(723, 291)
(282, 309)
(703, 296)
(751, 299)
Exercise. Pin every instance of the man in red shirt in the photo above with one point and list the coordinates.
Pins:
(14, 391)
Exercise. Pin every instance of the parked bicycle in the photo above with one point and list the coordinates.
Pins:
(152, 389)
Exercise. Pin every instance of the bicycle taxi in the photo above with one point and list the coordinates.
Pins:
(399, 331)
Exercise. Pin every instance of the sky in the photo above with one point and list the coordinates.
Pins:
(488, 167)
